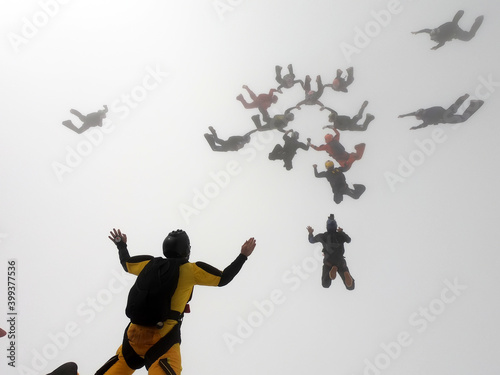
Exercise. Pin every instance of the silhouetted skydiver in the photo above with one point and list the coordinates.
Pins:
(277, 122)
(262, 101)
(233, 143)
(337, 180)
(342, 122)
(312, 97)
(337, 151)
(439, 115)
(91, 120)
(333, 252)
(288, 80)
(289, 149)
(450, 30)
(339, 83)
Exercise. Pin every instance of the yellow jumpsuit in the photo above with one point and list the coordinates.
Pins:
(142, 338)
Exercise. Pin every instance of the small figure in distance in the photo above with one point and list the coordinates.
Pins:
(341, 122)
(289, 149)
(262, 101)
(334, 262)
(91, 120)
(288, 80)
(338, 183)
(439, 115)
(450, 30)
(233, 143)
(278, 122)
(341, 84)
(312, 97)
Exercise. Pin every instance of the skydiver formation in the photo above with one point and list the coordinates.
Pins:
(167, 360)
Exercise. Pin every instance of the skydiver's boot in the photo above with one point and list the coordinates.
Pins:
(457, 17)
(348, 280)
(69, 368)
(356, 192)
(256, 121)
(333, 273)
(369, 118)
(276, 153)
(360, 150)
(468, 35)
(278, 73)
(472, 108)
(211, 141)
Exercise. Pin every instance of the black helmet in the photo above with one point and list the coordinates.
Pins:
(176, 245)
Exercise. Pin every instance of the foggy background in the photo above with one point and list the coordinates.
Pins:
(423, 251)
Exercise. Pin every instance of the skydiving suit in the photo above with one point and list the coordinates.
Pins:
(336, 178)
(287, 151)
(158, 347)
(88, 121)
(439, 115)
(333, 252)
(335, 149)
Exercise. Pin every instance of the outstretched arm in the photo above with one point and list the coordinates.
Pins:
(130, 264)
(232, 270)
(422, 125)
(438, 46)
(422, 31)
(408, 114)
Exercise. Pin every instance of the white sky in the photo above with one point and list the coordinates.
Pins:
(409, 243)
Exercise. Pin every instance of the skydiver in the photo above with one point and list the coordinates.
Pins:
(450, 30)
(342, 122)
(340, 83)
(157, 346)
(278, 122)
(262, 101)
(312, 97)
(439, 115)
(333, 252)
(289, 149)
(288, 80)
(91, 120)
(233, 143)
(337, 180)
(337, 151)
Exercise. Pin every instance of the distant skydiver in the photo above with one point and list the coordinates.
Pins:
(341, 122)
(262, 101)
(312, 97)
(91, 120)
(233, 143)
(289, 149)
(337, 180)
(333, 251)
(278, 122)
(450, 30)
(340, 83)
(439, 115)
(337, 151)
(288, 80)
